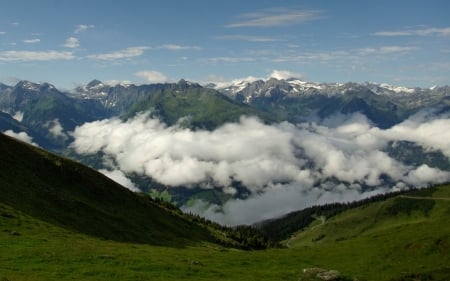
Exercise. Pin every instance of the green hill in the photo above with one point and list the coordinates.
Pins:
(65, 193)
(62, 221)
(406, 236)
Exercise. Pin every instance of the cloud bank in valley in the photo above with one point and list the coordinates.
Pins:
(284, 166)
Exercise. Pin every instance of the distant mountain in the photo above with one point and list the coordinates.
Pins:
(201, 107)
(48, 113)
(49, 116)
(299, 101)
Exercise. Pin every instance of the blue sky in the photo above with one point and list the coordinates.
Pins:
(68, 43)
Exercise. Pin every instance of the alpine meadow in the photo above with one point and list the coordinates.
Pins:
(224, 140)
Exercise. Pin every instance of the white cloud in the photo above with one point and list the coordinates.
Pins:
(20, 136)
(2, 32)
(424, 175)
(285, 74)
(119, 177)
(174, 47)
(231, 59)
(393, 33)
(395, 49)
(360, 55)
(32, 41)
(249, 38)
(56, 129)
(130, 52)
(72, 42)
(445, 31)
(152, 76)
(83, 27)
(275, 202)
(221, 82)
(11, 56)
(276, 17)
(283, 166)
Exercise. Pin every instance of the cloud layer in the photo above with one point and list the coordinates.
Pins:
(284, 167)
(276, 17)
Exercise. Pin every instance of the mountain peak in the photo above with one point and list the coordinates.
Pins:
(94, 83)
(28, 85)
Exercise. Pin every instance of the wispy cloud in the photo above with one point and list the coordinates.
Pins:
(2, 32)
(72, 42)
(285, 74)
(231, 59)
(355, 54)
(386, 50)
(276, 17)
(175, 47)
(393, 33)
(416, 32)
(152, 76)
(83, 27)
(249, 38)
(31, 41)
(130, 52)
(11, 56)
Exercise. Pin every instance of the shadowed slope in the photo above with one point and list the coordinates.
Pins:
(68, 194)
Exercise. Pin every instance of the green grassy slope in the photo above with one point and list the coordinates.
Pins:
(62, 221)
(413, 247)
(404, 236)
(65, 193)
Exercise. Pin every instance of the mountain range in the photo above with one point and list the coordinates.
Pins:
(53, 119)
(37, 106)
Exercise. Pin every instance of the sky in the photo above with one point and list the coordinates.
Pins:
(69, 43)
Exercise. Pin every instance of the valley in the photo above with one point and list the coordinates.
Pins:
(225, 140)
(211, 148)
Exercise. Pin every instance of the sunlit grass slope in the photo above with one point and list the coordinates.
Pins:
(407, 235)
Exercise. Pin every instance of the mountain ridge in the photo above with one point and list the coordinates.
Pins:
(49, 116)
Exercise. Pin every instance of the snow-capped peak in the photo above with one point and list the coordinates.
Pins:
(303, 84)
(28, 85)
(397, 89)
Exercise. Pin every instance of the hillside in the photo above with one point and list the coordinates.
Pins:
(200, 107)
(406, 235)
(69, 195)
(62, 192)
(60, 220)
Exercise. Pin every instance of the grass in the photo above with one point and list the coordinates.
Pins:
(41, 251)
(62, 221)
(375, 243)
(366, 243)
